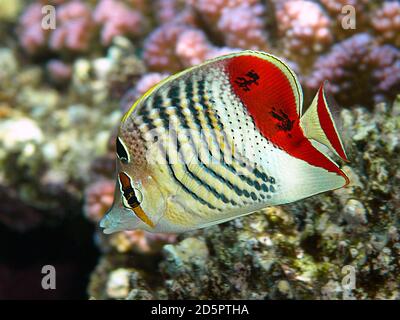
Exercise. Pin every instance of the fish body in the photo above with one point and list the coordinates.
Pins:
(218, 141)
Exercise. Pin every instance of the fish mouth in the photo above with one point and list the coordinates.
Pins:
(119, 219)
(108, 224)
(104, 223)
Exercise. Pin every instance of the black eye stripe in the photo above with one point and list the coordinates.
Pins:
(128, 192)
(121, 151)
(130, 196)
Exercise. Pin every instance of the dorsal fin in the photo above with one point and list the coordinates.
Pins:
(318, 124)
(287, 76)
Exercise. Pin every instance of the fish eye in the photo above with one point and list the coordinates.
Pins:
(122, 151)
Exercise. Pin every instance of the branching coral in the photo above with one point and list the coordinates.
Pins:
(145, 83)
(32, 36)
(168, 10)
(113, 51)
(141, 241)
(159, 48)
(385, 62)
(117, 19)
(304, 28)
(386, 22)
(243, 26)
(355, 66)
(192, 47)
(298, 250)
(74, 28)
(345, 11)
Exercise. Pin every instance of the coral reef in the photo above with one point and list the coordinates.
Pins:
(117, 19)
(64, 90)
(42, 166)
(341, 12)
(32, 36)
(177, 34)
(243, 26)
(296, 251)
(359, 60)
(74, 27)
(386, 22)
(304, 27)
(77, 24)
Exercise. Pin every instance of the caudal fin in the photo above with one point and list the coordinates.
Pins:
(318, 124)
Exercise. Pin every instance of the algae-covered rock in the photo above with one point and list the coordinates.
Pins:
(343, 244)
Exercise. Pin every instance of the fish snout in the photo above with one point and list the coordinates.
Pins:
(106, 223)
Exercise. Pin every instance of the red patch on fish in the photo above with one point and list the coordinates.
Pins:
(269, 98)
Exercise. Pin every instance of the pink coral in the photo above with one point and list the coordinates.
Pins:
(167, 10)
(159, 48)
(74, 27)
(386, 22)
(117, 19)
(174, 46)
(142, 241)
(239, 23)
(304, 27)
(32, 36)
(358, 60)
(59, 71)
(99, 197)
(386, 58)
(192, 47)
(211, 10)
(244, 27)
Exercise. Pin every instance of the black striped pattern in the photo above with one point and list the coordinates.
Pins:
(189, 101)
